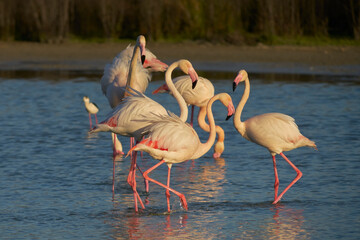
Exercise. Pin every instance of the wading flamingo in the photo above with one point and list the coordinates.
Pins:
(199, 97)
(171, 140)
(275, 131)
(113, 81)
(91, 108)
(138, 106)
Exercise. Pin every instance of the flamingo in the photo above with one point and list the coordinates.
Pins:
(171, 140)
(91, 108)
(135, 104)
(199, 97)
(113, 81)
(275, 131)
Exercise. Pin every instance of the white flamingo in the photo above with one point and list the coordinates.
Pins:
(121, 119)
(113, 81)
(171, 140)
(199, 97)
(91, 108)
(275, 131)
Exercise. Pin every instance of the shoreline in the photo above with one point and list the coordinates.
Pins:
(338, 60)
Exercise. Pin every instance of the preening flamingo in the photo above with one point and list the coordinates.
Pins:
(91, 108)
(199, 97)
(137, 106)
(113, 81)
(275, 131)
(171, 140)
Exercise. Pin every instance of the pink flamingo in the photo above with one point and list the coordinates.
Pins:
(114, 79)
(131, 115)
(199, 97)
(275, 131)
(170, 140)
(91, 108)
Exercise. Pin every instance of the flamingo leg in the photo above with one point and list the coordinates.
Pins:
(276, 185)
(298, 176)
(146, 182)
(132, 182)
(180, 195)
(96, 119)
(113, 180)
(90, 120)
(167, 193)
(192, 115)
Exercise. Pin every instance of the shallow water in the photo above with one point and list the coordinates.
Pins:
(56, 179)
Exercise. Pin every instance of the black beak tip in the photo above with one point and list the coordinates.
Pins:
(234, 86)
(142, 59)
(228, 117)
(194, 84)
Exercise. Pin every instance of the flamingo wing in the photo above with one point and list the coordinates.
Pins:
(198, 96)
(276, 131)
(169, 138)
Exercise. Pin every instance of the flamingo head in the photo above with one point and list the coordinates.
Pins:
(163, 88)
(242, 76)
(227, 101)
(187, 68)
(154, 64)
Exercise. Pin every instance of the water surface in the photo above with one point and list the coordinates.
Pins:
(56, 179)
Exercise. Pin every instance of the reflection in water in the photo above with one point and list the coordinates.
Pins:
(138, 226)
(287, 224)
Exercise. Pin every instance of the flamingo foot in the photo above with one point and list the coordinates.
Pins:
(216, 155)
(183, 202)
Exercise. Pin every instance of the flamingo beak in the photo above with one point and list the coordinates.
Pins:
(231, 111)
(194, 84)
(161, 89)
(234, 86)
(143, 52)
(194, 77)
(142, 59)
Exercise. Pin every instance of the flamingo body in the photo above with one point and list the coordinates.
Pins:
(275, 131)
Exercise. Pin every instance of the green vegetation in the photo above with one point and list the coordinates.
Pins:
(299, 22)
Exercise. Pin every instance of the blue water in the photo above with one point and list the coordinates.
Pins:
(56, 179)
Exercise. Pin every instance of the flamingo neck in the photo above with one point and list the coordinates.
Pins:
(205, 147)
(238, 124)
(175, 92)
(204, 126)
(132, 69)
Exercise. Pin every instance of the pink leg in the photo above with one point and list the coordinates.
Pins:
(90, 120)
(180, 195)
(276, 185)
(132, 182)
(298, 176)
(167, 190)
(113, 181)
(192, 115)
(96, 119)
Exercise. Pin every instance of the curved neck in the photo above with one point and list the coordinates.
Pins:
(204, 126)
(238, 124)
(205, 147)
(175, 92)
(132, 69)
